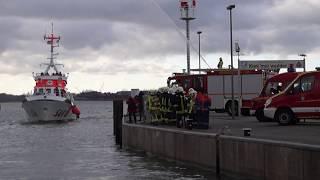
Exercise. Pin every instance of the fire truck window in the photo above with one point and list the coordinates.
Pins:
(296, 87)
(273, 88)
(198, 83)
(307, 83)
(186, 84)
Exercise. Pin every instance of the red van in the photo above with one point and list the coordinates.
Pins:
(273, 86)
(300, 100)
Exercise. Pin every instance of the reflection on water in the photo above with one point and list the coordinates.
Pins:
(81, 149)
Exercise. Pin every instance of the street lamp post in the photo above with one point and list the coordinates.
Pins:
(304, 61)
(230, 7)
(199, 32)
(237, 48)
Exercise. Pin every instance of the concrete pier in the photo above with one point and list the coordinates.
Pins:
(251, 157)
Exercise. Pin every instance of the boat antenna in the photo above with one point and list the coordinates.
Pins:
(53, 41)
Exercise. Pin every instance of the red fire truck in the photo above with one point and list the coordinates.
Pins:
(217, 83)
(273, 86)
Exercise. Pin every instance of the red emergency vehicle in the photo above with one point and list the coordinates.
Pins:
(300, 100)
(273, 85)
(217, 84)
(247, 84)
(187, 81)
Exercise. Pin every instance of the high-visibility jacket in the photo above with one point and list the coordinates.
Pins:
(190, 105)
(181, 105)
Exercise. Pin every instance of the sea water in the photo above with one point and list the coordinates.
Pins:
(81, 149)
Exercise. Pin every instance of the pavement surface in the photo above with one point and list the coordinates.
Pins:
(304, 132)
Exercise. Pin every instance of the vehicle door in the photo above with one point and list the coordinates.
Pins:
(292, 96)
(306, 102)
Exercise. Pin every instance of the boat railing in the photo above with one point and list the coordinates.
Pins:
(53, 74)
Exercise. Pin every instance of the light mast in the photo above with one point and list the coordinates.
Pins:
(185, 7)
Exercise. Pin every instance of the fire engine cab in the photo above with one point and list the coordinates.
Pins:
(217, 84)
(195, 81)
(273, 86)
(300, 100)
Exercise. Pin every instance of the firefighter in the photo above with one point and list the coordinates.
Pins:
(166, 104)
(180, 102)
(153, 106)
(171, 104)
(163, 91)
(220, 63)
(157, 107)
(202, 105)
(189, 107)
(140, 100)
(191, 101)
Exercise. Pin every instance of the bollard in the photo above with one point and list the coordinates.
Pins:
(246, 131)
(117, 120)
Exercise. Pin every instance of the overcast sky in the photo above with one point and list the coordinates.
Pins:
(113, 45)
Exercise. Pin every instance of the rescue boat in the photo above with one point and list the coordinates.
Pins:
(50, 100)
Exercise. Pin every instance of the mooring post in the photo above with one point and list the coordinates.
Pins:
(117, 120)
(218, 156)
(114, 120)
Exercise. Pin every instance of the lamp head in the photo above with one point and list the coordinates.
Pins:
(199, 32)
(303, 55)
(231, 7)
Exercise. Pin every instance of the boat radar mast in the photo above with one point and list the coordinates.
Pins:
(53, 41)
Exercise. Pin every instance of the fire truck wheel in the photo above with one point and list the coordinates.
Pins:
(260, 116)
(245, 111)
(229, 107)
(284, 117)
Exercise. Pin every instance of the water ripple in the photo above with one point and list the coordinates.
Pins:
(81, 149)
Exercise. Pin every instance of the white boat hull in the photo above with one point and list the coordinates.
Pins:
(48, 110)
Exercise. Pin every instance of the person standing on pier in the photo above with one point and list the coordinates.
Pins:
(140, 100)
(202, 105)
(220, 63)
(180, 111)
(132, 109)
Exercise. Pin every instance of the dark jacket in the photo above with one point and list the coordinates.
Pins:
(132, 105)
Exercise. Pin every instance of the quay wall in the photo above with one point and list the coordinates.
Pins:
(239, 157)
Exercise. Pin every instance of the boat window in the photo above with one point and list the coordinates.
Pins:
(56, 91)
(40, 90)
(63, 92)
(48, 91)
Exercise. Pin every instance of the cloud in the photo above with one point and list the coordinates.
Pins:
(130, 35)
